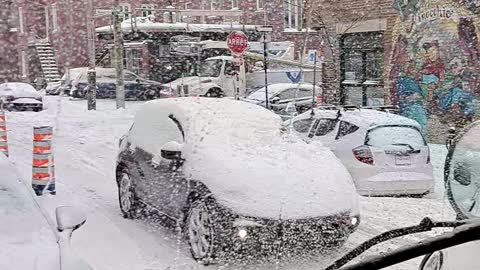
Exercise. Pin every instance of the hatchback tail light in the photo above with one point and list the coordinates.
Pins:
(363, 154)
(428, 157)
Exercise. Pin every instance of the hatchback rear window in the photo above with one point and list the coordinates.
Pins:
(395, 135)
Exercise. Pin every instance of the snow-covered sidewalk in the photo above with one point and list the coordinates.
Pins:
(85, 147)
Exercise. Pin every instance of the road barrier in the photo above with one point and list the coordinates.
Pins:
(3, 134)
(43, 175)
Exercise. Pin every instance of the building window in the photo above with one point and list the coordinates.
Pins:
(124, 11)
(361, 56)
(234, 4)
(147, 9)
(54, 17)
(214, 4)
(293, 14)
(188, 5)
(260, 4)
(20, 20)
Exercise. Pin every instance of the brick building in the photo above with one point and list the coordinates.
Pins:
(57, 29)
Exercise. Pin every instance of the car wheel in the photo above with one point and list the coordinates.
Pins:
(200, 232)
(432, 261)
(126, 196)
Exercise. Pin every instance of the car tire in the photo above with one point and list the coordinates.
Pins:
(127, 198)
(201, 231)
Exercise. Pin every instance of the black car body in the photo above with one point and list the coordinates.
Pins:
(178, 164)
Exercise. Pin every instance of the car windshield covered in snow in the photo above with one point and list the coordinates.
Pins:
(229, 134)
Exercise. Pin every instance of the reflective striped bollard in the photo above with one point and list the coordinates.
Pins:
(3, 134)
(42, 174)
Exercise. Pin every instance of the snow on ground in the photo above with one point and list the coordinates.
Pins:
(86, 144)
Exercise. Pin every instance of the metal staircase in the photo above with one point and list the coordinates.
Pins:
(48, 62)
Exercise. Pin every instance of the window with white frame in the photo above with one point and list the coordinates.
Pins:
(147, 9)
(54, 17)
(214, 4)
(293, 14)
(260, 4)
(234, 4)
(124, 11)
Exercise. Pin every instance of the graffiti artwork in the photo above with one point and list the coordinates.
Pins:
(435, 61)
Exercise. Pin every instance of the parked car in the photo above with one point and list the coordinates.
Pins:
(28, 239)
(20, 96)
(385, 153)
(280, 94)
(106, 82)
(226, 172)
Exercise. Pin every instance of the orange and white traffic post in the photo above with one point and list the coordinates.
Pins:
(42, 165)
(3, 134)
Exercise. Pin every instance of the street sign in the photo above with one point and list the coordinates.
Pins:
(237, 42)
(237, 59)
(103, 11)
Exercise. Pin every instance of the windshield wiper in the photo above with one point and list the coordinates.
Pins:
(412, 150)
(378, 262)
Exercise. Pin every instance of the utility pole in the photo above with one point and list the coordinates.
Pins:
(91, 74)
(265, 67)
(118, 54)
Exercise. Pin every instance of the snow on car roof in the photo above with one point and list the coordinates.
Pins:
(221, 57)
(17, 86)
(238, 150)
(365, 118)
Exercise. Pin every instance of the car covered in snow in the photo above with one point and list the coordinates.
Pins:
(385, 153)
(20, 96)
(28, 238)
(226, 171)
(280, 94)
(135, 86)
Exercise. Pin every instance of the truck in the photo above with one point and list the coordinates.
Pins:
(219, 77)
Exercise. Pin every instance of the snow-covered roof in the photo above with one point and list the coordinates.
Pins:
(364, 118)
(149, 26)
(221, 57)
(239, 152)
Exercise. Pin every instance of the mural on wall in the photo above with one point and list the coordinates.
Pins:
(435, 61)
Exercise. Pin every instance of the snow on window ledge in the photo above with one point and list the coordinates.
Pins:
(293, 30)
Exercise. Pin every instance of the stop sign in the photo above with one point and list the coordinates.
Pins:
(237, 42)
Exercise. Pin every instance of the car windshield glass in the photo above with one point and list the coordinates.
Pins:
(384, 136)
(238, 135)
(210, 68)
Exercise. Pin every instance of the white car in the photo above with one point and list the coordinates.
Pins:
(28, 238)
(20, 96)
(280, 94)
(385, 153)
(225, 171)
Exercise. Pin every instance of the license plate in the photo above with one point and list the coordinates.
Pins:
(402, 160)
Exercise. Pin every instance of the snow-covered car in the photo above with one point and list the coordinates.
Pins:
(106, 82)
(28, 238)
(53, 88)
(280, 94)
(20, 96)
(226, 171)
(385, 153)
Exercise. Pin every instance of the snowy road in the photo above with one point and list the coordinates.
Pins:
(85, 147)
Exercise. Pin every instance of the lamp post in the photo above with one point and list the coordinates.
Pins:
(265, 30)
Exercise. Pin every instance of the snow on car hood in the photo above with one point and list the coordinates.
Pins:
(281, 179)
(26, 240)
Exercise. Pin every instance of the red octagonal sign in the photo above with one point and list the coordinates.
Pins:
(237, 42)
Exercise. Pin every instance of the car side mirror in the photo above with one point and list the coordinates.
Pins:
(172, 151)
(69, 218)
(137, 80)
